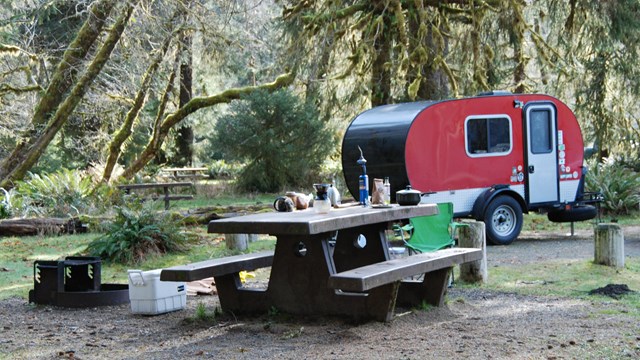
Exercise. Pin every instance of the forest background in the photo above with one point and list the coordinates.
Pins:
(117, 88)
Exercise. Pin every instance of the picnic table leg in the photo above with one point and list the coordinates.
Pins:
(348, 256)
(380, 302)
(299, 279)
(166, 198)
(236, 299)
(431, 290)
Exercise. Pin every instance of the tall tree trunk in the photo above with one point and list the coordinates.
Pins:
(380, 69)
(518, 37)
(39, 144)
(435, 82)
(319, 69)
(62, 79)
(160, 133)
(425, 79)
(597, 102)
(126, 129)
(184, 134)
(482, 66)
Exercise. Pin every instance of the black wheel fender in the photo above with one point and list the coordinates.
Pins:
(482, 202)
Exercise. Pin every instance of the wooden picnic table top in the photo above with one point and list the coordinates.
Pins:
(307, 222)
(155, 185)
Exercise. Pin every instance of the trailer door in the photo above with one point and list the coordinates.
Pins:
(541, 139)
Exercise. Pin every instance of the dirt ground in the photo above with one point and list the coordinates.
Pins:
(475, 324)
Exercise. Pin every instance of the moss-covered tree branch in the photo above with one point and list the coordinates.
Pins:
(126, 129)
(63, 78)
(192, 106)
(7, 88)
(34, 147)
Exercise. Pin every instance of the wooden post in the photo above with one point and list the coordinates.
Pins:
(237, 241)
(166, 198)
(609, 245)
(472, 235)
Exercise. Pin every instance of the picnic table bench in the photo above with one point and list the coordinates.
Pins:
(312, 275)
(186, 172)
(166, 195)
(435, 266)
(217, 267)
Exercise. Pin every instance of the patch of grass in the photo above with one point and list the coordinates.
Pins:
(540, 222)
(17, 255)
(631, 219)
(204, 316)
(273, 312)
(202, 199)
(568, 278)
(424, 306)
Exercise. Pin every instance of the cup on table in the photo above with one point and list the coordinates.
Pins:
(284, 204)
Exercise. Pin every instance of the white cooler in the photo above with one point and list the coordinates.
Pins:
(150, 296)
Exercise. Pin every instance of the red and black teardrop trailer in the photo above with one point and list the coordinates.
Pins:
(494, 156)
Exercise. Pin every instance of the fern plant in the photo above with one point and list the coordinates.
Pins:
(5, 205)
(220, 169)
(136, 234)
(619, 185)
(63, 193)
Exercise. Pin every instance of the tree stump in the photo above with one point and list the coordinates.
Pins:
(237, 241)
(472, 235)
(609, 245)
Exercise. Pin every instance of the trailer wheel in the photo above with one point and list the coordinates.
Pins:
(503, 219)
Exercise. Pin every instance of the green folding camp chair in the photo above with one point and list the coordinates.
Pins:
(430, 233)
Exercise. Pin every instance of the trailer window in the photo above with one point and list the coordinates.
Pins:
(488, 136)
(540, 125)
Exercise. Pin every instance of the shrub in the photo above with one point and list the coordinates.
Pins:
(5, 205)
(220, 169)
(63, 193)
(281, 139)
(619, 185)
(138, 233)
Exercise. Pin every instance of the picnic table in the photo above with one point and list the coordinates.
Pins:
(186, 172)
(327, 264)
(166, 195)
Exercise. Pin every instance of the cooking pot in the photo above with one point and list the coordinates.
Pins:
(408, 196)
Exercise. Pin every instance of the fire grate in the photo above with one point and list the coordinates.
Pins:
(74, 282)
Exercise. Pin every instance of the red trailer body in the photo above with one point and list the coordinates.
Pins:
(492, 156)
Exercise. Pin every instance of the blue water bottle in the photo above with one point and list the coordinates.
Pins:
(363, 180)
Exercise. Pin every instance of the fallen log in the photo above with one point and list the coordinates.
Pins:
(40, 226)
(202, 216)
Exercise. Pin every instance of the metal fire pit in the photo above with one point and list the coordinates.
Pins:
(74, 282)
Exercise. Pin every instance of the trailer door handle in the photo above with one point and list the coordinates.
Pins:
(532, 169)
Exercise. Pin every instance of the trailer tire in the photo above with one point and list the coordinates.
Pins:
(576, 213)
(503, 219)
